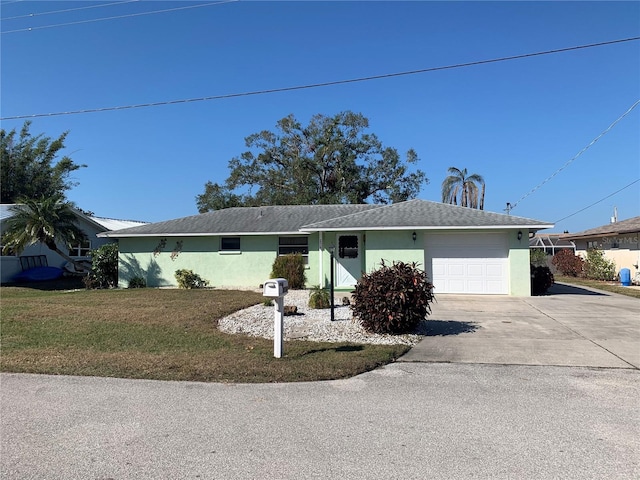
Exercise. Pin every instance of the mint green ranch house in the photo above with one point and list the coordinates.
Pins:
(463, 250)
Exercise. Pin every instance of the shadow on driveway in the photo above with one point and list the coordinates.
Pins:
(444, 328)
(564, 289)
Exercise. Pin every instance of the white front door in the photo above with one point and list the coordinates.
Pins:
(348, 261)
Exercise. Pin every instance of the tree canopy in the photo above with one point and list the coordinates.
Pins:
(461, 187)
(50, 221)
(331, 160)
(28, 166)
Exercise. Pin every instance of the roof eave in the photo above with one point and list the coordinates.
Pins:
(200, 234)
(423, 227)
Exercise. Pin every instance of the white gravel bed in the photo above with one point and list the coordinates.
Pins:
(310, 324)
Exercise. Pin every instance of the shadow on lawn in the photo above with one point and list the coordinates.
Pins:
(342, 348)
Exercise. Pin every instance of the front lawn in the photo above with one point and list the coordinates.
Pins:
(160, 334)
(614, 287)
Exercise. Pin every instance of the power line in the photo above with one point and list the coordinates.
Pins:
(534, 189)
(601, 200)
(318, 85)
(51, 12)
(29, 29)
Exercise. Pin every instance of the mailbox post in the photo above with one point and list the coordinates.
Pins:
(277, 288)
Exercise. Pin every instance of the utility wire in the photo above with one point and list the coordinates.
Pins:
(50, 12)
(595, 203)
(29, 29)
(318, 85)
(534, 189)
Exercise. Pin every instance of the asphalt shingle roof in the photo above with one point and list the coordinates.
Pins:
(245, 220)
(296, 218)
(421, 214)
(630, 225)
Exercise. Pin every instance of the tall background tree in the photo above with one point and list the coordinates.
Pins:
(463, 189)
(28, 166)
(331, 160)
(50, 221)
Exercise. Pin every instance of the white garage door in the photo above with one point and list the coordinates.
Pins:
(468, 263)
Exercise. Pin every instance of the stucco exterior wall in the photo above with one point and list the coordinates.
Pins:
(519, 264)
(251, 266)
(623, 250)
(393, 246)
(157, 262)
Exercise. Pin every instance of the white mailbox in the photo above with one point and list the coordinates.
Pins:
(276, 287)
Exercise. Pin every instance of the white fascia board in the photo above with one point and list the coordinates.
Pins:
(211, 234)
(475, 227)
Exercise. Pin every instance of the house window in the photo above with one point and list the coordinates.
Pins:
(615, 244)
(288, 245)
(230, 244)
(348, 246)
(81, 249)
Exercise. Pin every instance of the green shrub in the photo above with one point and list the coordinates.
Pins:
(392, 299)
(291, 267)
(541, 280)
(597, 267)
(137, 282)
(104, 267)
(187, 279)
(538, 257)
(568, 263)
(319, 298)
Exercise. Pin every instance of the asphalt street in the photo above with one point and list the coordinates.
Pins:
(407, 420)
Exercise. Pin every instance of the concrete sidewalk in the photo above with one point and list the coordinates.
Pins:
(570, 326)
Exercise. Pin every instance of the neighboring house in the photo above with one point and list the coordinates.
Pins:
(11, 265)
(463, 250)
(618, 240)
(551, 243)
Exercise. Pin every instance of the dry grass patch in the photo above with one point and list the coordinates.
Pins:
(160, 334)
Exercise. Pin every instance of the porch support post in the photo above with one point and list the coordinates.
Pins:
(320, 261)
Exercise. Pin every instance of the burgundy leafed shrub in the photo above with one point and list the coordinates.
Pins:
(392, 299)
(568, 263)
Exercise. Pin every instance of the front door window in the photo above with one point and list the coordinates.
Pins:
(348, 246)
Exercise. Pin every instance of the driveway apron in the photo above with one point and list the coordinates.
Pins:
(569, 326)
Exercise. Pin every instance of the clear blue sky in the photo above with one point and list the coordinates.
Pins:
(514, 122)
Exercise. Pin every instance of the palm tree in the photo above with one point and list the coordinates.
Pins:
(49, 221)
(469, 188)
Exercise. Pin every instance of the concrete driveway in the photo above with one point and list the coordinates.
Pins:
(568, 327)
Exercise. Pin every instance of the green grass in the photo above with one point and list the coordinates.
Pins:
(160, 334)
(606, 286)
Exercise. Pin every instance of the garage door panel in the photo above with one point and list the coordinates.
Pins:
(455, 286)
(475, 270)
(475, 264)
(455, 269)
(495, 270)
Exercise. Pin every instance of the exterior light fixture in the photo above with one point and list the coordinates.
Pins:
(414, 236)
(519, 235)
